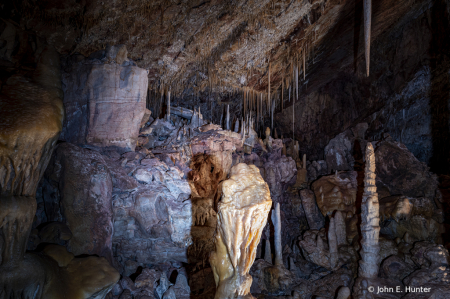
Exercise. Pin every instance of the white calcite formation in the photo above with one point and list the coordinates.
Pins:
(242, 215)
(370, 229)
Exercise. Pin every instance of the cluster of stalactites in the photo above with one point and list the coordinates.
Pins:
(256, 105)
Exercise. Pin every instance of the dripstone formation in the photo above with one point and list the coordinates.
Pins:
(154, 149)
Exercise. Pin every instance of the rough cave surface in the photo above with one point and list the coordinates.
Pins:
(224, 149)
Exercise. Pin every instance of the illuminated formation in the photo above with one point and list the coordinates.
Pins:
(370, 229)
(242, 216)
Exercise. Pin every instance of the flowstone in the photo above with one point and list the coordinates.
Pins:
(242, 215)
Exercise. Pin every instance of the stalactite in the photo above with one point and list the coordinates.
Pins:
(367, 29)
(245, 106)
(289, 94)
(282, 94)
(271, 114)
(228, 117)
(304, 65)
(296, 81)
(269, 85)
(293, 119)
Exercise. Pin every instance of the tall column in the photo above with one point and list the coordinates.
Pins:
(370, 229)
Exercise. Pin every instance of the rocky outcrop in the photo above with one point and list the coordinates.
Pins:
(401, 173)
(104, 99)
(419, 217)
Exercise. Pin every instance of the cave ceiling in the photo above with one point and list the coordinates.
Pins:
(222, 45)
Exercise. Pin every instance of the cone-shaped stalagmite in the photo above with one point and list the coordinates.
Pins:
(367, 29)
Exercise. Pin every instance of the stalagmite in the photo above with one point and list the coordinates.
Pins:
(276, 220)
(268, 252)
(168, 105)
(343, 293)
(367, 31)
(332, 243)
(236, 126)
(339, 223)
(370, 229)
(242, 215)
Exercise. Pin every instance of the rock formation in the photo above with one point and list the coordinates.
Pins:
(32, 113)
(242, 214)
(370, 229)
(104, 100)
(336, 192)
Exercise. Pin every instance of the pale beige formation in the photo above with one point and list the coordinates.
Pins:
(242, 215)
(370, 229)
